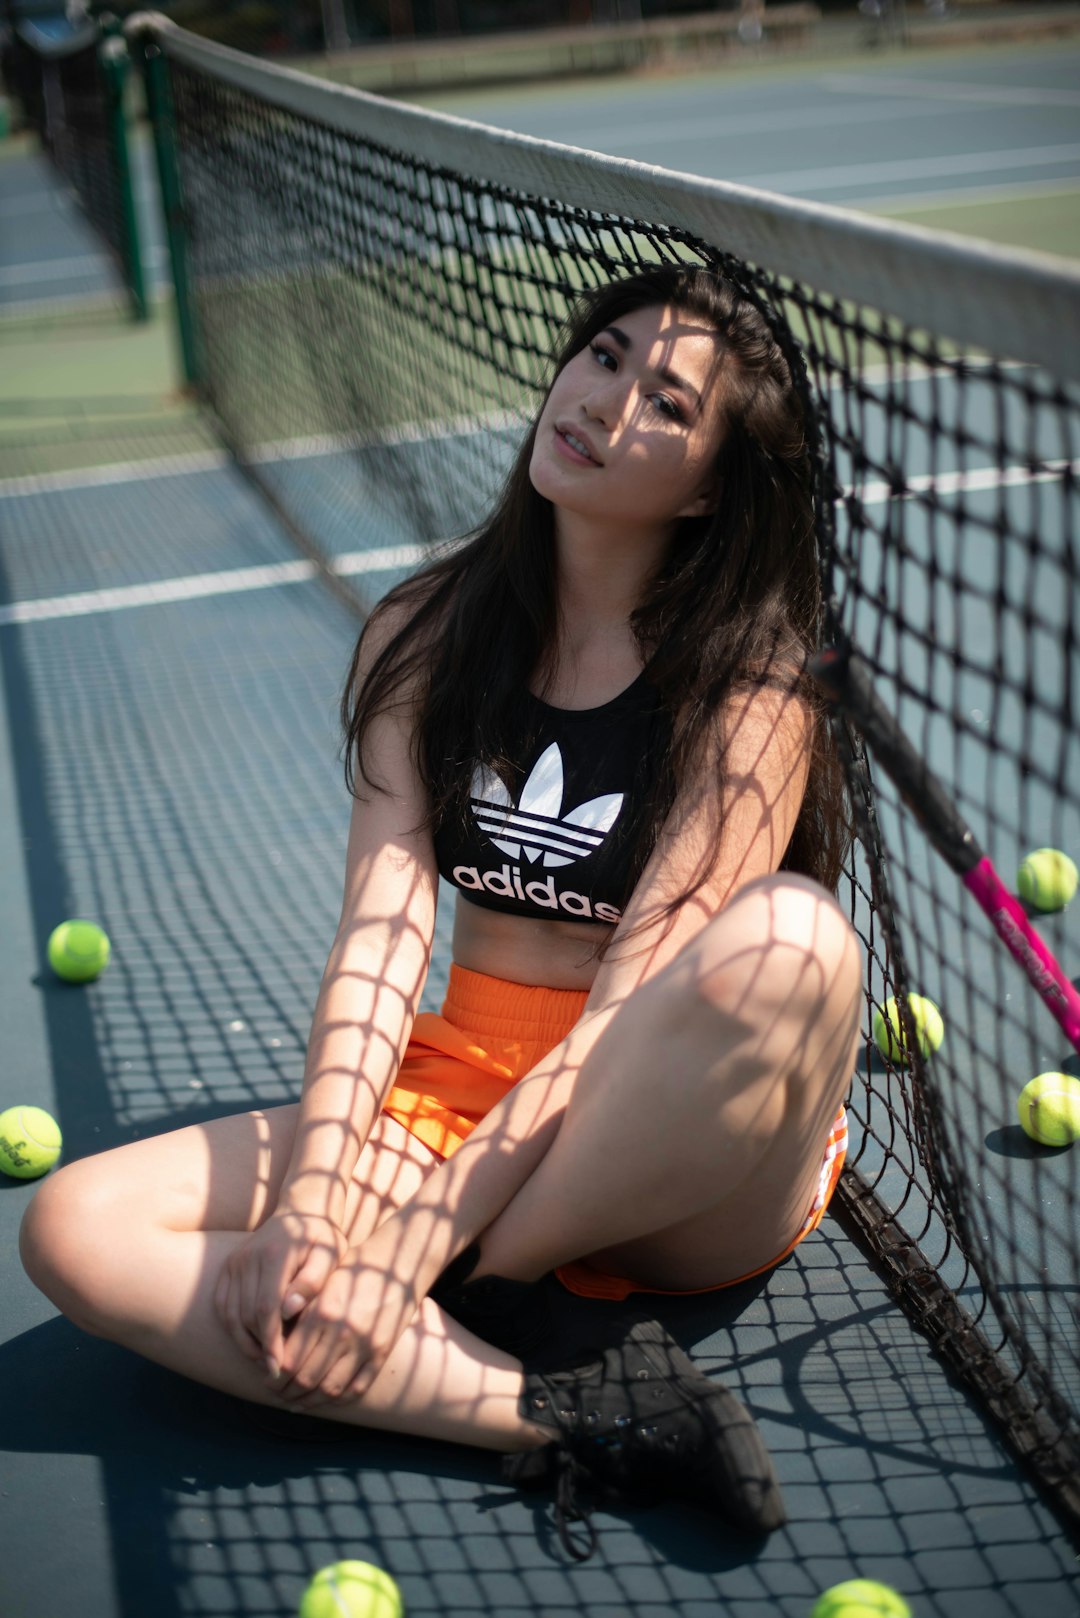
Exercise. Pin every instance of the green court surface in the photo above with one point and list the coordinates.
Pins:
(81, 386)
(1049, 223)
(169, 766)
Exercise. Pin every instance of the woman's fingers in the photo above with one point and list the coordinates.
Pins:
(269, 1323)
(339, 1367)
(228, 1300)
(295, 1294)
(268, 1280)
(341, 1341)
(349, 1375)
(309, 1279)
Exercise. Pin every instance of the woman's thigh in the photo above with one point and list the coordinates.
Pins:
(226, 1174)
(758, 1025)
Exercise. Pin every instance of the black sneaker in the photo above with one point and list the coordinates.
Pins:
(639, 1423)
(634, 1420)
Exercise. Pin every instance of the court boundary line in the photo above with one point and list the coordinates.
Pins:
(392, 558)
(954, 90)
(286, 449)
(199, 586)
(975, 195)
(295, 449)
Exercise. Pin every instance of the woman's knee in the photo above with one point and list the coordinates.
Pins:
(67, 1236)
(784, 946)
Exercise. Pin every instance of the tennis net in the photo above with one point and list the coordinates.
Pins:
(69, 79)
(371, 296)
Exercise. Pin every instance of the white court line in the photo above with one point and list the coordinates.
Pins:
(988, 477)
(294, 449)
(810, 181)
(997, 95)
(1014, 191)
(65, 303)
(54, 270)
(390, 558)
(710, 125)
(96, 477)
(888, 100)
(198, 586)
(13, 275)
(409, 432)
(214, 460)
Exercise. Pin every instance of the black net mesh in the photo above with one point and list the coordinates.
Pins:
(372, 333)
(71, 101)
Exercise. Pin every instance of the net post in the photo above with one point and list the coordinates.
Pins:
(115, 62)
(159, 111)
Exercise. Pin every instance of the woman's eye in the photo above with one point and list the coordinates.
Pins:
(604, 356)
(667, 406)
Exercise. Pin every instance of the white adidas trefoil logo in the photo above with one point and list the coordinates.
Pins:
(536, 828)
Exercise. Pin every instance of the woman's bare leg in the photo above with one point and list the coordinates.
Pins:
(129, 1245)
(686, 1155)
(692, 1138)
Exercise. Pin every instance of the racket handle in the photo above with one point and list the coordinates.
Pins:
(1018, 935)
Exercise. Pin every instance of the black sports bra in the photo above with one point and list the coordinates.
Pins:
(563, 848)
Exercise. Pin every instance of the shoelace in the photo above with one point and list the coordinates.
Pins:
(569, 1508)
(575, 1480)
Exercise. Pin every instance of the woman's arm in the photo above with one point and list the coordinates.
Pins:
(763, 742)
(766, 737)
(370, 991)
(367, 1001)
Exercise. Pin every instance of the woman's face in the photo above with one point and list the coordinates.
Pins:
(631, 427)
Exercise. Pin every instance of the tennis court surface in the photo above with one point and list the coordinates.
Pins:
(173, 636)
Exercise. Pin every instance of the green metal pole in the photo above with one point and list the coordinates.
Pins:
(115, 62)
(159, 110)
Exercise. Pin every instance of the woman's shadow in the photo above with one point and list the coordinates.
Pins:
(167, 1444)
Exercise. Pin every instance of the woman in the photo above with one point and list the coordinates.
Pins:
(593, 720)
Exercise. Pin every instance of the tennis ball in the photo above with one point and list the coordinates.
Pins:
(351, 1590)
(1049, 1109)
(889, 1034)
(30, 1142)
(78, 951)
(860, 1598)
(1047, 879)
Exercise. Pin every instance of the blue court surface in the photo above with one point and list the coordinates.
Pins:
(169, 765)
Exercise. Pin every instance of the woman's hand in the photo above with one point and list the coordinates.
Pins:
(342, 1339)
(267, 1281)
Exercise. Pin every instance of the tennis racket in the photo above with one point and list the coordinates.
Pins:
(845, 681)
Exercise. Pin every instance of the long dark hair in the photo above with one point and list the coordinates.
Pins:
(735, 601)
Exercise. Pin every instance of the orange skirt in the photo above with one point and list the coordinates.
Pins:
(490, 1033)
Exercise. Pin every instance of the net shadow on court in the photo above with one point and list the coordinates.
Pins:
(176, 765)
(171, 670)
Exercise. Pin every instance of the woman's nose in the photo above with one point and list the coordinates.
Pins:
(606, 402)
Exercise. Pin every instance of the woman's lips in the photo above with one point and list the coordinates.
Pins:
(575, 447)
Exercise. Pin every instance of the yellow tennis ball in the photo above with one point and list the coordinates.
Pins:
(1049, 1109)
(1047, 879)
(30, 1142)
(889, 1035)
(351, 1590)
(78, 951)
(861, 1598)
